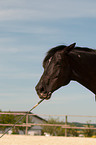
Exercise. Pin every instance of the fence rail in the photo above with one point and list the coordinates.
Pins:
(65, 126)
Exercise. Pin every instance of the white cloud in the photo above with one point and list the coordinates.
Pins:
(17, 14)
(47, 10)
(19, 75)
(8, 50)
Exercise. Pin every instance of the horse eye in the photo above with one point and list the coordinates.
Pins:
(57, 63)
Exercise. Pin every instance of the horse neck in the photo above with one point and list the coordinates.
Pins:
(83, 69)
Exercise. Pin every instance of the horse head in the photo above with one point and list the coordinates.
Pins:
(57, 71)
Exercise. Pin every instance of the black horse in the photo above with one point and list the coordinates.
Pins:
(65, 63)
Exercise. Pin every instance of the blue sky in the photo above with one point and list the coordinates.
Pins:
(28, 29)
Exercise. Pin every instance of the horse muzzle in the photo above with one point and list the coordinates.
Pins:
(42, 93)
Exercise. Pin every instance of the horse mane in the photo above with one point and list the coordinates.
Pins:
(86, 49)
(52, 51)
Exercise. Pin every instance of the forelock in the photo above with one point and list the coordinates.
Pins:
(52, 51)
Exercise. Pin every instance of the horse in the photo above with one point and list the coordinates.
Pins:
(65, 63)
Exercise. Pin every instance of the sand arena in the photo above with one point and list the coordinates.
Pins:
(42, 140)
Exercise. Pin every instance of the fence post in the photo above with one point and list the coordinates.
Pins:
(65, 125)
(26, 132)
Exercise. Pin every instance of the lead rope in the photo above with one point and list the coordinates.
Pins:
(22, 118)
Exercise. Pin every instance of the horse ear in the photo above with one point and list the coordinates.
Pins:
(69, 48)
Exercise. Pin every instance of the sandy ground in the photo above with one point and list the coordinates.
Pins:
(42, 140)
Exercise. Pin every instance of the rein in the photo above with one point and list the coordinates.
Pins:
(22, 117)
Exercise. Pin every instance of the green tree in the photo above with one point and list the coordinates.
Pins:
(59, 131)
(88, 132)
(54, 130)
(73, 132)
(12, 119)
(6, 119)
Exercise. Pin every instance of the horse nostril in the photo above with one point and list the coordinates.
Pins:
(41, 89)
